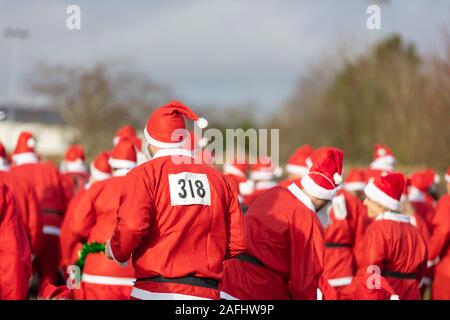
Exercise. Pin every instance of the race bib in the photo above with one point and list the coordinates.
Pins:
(188, 188)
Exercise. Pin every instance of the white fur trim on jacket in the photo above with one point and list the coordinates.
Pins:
(113, 281)
(380, 197)
(317, 191)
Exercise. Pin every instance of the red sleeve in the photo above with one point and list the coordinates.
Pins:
(307, 251)
(68, 239)
(361, 223)
(441, 230)
(35, 222)
(235, 226)
(15, 254)
(133, 217)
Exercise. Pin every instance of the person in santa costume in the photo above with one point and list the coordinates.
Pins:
(70, 246)
(27, 204)
(74, 171)
(263, 174)
(439, 246)
(355, 182)
(284, 259)
(129, 132)
(178, 220)
(46, 181)
(95, 219)
(236, 171)
(15, 253)
(392, 244)
(421, 184)
(383, 161)
(297, 165)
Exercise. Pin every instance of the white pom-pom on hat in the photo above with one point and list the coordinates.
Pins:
(31, 143)
(202, 123)
(337, 178)
(381, 152)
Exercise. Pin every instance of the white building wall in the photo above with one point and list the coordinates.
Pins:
(51, 139)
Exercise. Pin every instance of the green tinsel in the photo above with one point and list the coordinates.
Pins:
(93, 247)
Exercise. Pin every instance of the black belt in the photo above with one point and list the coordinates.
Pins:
(400, 275)
(337, 245)
(52, 211)
(190, 280)
(248, 258)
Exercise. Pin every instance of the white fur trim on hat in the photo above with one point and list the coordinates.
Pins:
(202, 123)
(380, 197)
(262, 175)
(165, 145)
(99, 175)
(121, 164)
(231, 169)
(447, 178)
(75, 166)
(246, 188)
(317, 191)
(384, 163)
(296, 169)
(27, 157)
(354, 186)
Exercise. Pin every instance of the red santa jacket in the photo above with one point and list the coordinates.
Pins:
(69, 242)
(284, 259)
(72, 182)
(177, 218)
(15, 254)
(394, 245)
(94, 222)
(46, 182)
(422, 204)
(259, 189)
(343, 238)
(439, 249)
(28, 208)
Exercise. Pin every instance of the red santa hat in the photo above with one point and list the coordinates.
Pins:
(100, 168)
(165, 124)
(264, 169)
(425, 179)
(126, 131)
(447, 175)
(386, 190)
(325, 176)
(356, 180)
(123, 155)
(237, 167)
(4, 163)
(74, 160)
(24, 150)
(383, 158)
(297, 163)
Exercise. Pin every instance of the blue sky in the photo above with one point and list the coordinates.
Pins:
(213, 51)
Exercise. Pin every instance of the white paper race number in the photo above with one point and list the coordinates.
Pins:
(188, 188)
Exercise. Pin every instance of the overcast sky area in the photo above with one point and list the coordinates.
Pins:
(210, 51)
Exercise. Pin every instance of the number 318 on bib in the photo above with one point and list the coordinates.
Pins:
(187, 188)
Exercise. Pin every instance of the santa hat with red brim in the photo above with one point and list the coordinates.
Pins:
(386, 190)
(166, 126)
(325, 176)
